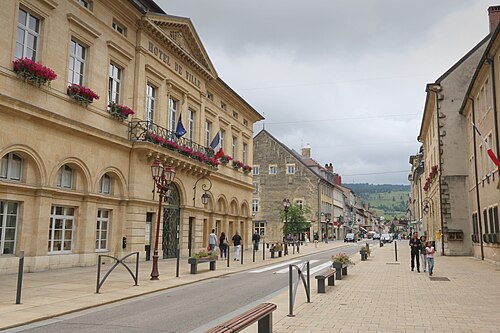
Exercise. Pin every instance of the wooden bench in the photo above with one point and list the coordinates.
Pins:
(328, 274)
(262, 313)
(194, 263)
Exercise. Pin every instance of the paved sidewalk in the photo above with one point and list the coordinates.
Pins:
(380, 295)
(56, 292)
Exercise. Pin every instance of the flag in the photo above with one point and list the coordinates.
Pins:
(180, 130)
(491, 154)
(216, 146)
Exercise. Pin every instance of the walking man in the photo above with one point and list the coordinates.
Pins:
(237, 245)
(212, 240)
(415, 246)
(256, 240)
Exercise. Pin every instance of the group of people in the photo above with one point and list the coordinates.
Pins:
(422, 250)
(223, 244)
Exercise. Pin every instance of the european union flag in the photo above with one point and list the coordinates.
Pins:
(180, 130)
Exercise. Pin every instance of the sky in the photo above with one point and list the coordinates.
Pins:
(346, 77)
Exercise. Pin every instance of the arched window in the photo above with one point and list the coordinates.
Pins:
(11, 167)
(105, 184)
(65, 177)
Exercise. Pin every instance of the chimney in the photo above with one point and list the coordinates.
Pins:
(329, 167)
(494, 16)
(306, 151)
(337, 180)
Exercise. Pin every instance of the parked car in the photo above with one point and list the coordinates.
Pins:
(376, 236)
(386, 238)
(350, 238)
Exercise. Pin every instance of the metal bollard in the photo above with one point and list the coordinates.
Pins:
(228, 254)
(396, 250)
(20, 277)
(253, 255)
(242, 250)
(264, 251)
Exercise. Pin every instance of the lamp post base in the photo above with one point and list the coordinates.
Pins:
(154, 272)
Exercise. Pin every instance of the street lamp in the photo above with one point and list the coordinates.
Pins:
(286, 206)
(162, 177)
(205, 187)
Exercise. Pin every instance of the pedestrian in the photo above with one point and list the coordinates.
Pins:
(415, 249)
(237, 245)
(212, 241)
(429, 252)
(223, 245)
(423, 259)
(256, 240)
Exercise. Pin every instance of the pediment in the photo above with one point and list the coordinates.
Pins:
(180, 32)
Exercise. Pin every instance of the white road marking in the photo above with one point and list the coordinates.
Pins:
(320, 267)
(285, 270)
(268, 268)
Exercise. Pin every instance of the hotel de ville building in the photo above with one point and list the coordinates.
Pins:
(76, 150)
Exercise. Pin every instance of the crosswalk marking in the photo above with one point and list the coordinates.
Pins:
(268, 268)
(320, 267)
(285, 270)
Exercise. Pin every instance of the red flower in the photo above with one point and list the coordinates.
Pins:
(33, 71)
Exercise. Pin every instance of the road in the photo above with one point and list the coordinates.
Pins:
(188, 308)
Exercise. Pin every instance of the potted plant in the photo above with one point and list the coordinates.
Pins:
(247, 169)
(276, 248)
(237, 164)
(225, 159)
(172, 145)
(365, 252)
(186, 151)
(340, 262)
(213, 162)
(33, 72)
(118, 111)
(81, 94)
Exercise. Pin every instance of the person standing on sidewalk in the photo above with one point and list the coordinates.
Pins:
(256, 240)
(237, 245)
(223, 245)
(423, 259)
(415, 249)
(429, 252)
(212, 240)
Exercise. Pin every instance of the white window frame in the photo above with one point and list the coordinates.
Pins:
(273, 169)
(208, 133)
(102, 227)
(26, 31)
(76, 59)
(114, 83)
(234, 145)
(105, 184)
(255, 205)
(118, 27)
(290, 169)
(260, 227)
(64, 174)
(299, 203)
(255, 187)
(172, 114)
(190, 124)
(65, 217)
(4, 216)
(244, 152)
(151, 92)
(11, 167)
(222, 138)
(85, 4)
(256, 170)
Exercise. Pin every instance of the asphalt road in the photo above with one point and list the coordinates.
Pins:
(195, 307)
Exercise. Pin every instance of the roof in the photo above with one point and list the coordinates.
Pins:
(145, 6)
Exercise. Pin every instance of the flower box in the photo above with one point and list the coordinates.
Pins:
(247, 169)
(238, 164)
(212, 162)
(186, 151)
(200, 156)
(33, 72)
(225, 159)
(119, 111)
(172, 145)
(81, 94)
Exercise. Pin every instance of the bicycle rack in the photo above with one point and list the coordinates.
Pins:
(292, 287)
(118, 261)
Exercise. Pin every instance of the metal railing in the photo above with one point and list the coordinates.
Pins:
(118, 261)
(292, 287)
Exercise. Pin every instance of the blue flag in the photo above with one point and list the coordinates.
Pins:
(180, 130)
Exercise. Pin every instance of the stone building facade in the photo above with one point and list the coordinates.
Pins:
(75, 176)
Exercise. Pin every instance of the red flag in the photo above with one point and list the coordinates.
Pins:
(491, 154)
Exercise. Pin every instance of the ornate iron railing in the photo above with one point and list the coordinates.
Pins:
(150, 132)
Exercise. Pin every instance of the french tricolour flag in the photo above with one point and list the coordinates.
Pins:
(491, 154)
(216, 146)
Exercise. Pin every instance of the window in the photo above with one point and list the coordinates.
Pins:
(222, 105)
(245, 122)
(11, 167)
(290, 169)
(235, 115)
(255, 187)
(260, 227)
(255, 170)
(27, 36)
(84, 3)
(255, 205)
(115, 82)
(485, 221)
(190, 127)
(150, 104)
(101, 233)
(61, 229)
(233, 146)
(222, 138)
(495, 219)
(119, 28)
(105, 184)
(65, 177)
(172, 113)
(8, 226)
(273, 169)
(77, 62)
(299, 203)
(208, 133)
(244, 153)
(492, 227)
(210, 96)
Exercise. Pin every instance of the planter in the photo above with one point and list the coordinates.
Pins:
(364, 256)
(340, 268)
(195, 261)
(272, 254)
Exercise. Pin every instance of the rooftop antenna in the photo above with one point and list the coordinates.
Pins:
(263, 121)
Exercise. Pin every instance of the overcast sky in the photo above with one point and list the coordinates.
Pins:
(347, 77)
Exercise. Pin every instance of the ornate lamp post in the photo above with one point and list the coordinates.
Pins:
(162, 177)
(204, 187)
(286, 206)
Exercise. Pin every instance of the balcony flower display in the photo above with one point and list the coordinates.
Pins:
(186, 151)
(82, 94)
(247, 168)
(430, 177)
(200, 156)
(155, 138)
(172, 145)
(119, 111)
(213, 162)
(225, 159)
(33, 72)
(238, 164)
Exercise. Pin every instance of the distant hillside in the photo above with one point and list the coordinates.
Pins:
(386, 200)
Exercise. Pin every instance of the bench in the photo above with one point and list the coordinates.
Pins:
(262, 313)
(194, 263)
(328, 274)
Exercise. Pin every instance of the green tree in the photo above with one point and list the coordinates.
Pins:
(296, 218)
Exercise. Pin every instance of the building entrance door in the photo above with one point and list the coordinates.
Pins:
(171, 223)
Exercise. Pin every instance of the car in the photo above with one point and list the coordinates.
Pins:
(350, 238)
(386, 238)
(376, 236)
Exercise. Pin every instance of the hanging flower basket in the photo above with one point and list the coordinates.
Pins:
(225, 159)
(238, 164)
(81, 94)
(118, 111)
(33, 72)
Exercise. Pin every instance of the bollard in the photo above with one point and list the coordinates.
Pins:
(177, 265)
(264, 251)
(396, 250)
(20, 277)
(242, 250)
(293, 245)
(253, 255)
(228, 254)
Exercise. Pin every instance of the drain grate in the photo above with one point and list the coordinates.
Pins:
(438, 278)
